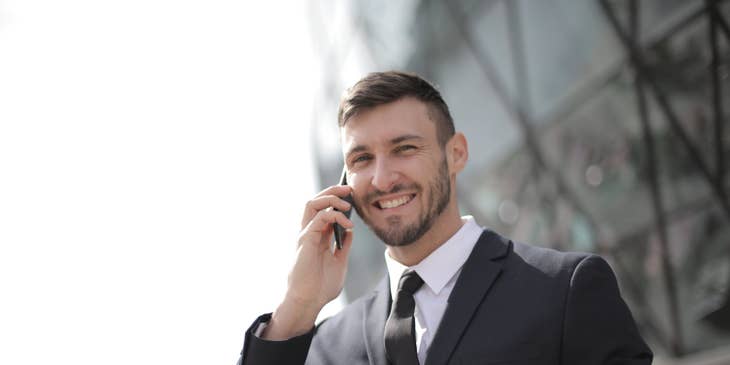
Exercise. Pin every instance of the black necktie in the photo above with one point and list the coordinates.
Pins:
(400, 337)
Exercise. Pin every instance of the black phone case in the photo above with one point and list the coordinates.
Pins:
(339, 230)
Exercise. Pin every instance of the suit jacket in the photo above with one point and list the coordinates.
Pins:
(512, 304)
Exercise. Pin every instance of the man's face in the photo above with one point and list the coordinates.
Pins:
(397, 169)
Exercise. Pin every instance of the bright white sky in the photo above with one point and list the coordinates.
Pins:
(154, 156)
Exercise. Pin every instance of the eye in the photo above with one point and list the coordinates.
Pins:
(360, 159)
(404, 148)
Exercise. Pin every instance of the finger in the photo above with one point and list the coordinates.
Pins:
(310, 208)
(338, 190)
(327, 201)
(321, 203)
(323, 220)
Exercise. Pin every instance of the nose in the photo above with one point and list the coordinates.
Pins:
(384, 176)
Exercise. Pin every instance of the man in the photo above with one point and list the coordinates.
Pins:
(455, 293)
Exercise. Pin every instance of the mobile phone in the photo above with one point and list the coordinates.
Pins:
(339, 230)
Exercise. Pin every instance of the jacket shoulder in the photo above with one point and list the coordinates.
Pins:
(549, 261)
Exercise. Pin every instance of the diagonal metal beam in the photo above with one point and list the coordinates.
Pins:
(643, 70)
(517, 114)
(587, 91)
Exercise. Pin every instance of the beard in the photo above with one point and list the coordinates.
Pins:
(396, 232)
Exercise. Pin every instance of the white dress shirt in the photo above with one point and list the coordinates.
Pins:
(439, 272)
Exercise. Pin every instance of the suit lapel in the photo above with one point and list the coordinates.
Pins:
(477, 275)
(376, 313)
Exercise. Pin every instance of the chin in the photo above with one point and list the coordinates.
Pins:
(396, 234)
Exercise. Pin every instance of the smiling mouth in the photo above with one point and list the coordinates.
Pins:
(394, 203)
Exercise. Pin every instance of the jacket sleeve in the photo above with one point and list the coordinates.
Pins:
(598, 327)
(257, 351)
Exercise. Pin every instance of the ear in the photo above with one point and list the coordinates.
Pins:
(457, 153)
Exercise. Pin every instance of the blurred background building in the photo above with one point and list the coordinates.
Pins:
(594, 125)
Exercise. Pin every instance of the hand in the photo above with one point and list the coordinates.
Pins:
(318, 273)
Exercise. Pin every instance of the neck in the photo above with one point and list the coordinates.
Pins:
(443, 228)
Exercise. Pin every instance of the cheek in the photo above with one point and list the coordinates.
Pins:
(359, 188)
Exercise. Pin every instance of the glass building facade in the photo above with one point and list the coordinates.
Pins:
(594, 125)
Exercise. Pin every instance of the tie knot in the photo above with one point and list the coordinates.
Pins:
(410, 282)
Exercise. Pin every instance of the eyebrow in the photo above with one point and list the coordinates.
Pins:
(406, 137)
(396, 140)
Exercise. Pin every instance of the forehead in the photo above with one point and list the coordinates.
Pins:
(383, 123)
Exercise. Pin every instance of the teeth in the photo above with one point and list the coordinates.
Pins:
(385, 204)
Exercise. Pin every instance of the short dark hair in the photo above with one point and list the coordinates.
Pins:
(380, 88)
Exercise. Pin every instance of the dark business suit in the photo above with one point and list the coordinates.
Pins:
(512, 304)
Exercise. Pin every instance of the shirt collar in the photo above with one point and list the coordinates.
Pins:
(442, 264)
